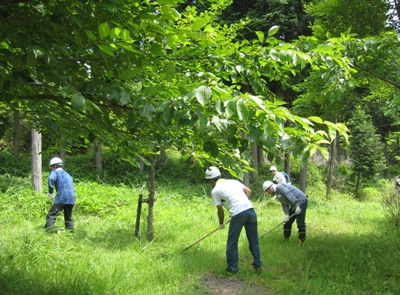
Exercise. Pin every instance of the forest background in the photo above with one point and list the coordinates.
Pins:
(236, 84)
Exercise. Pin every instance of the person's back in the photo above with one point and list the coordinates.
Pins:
(287, 177)
(63, 183)
(232, 196)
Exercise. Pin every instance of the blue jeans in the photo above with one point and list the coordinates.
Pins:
(248, 220)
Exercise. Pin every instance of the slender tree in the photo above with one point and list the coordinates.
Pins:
(366, 149)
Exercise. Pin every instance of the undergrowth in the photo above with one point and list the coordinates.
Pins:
(351, 247)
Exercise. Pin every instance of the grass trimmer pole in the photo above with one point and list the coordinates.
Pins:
(210, 233)
(282, 222)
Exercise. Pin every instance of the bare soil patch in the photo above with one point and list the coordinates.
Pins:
(226, 285)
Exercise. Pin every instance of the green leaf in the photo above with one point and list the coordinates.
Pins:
(170, 72)
(273, 30)
(91, 137)
(315, 119)
(211, 147)
(198, 25)
(125, 98)
(172, 40)
(230, 108)
(78, 101)
(114, 33)
(90, 35)
(104, 30)
(203, 94)
(31, 59)
(260, 36)
(214, 149)
(202, 120)
(127, 75)
(190, 95)
(106, 49)
(242, 110)
(168, 114)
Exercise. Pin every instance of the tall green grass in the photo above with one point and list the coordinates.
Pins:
(351, 248)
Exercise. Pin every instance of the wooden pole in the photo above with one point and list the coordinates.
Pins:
(139, 212)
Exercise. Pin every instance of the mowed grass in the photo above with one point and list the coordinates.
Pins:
(350, 247)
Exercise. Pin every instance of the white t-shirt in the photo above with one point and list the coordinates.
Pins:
(229, 193)
(279, 178)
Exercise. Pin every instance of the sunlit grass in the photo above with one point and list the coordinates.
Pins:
(350, 248)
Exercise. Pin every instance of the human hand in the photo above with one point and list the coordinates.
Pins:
(286, 219)
(221, 226)
(298, 210)
(51, 196)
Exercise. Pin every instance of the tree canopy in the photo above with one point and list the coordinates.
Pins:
(138, 75)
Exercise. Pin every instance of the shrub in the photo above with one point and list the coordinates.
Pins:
(367, 193)
(391, 205)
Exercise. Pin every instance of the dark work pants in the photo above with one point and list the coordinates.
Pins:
(55, 210)
(300, 220)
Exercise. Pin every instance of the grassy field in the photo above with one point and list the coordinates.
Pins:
(351, 248)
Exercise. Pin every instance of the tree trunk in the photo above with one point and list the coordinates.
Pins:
(286, 163)
(152, 190)
(63, 155)
(331, 167)
(260, 154)
(246, 179)
(387, 159)
(357, 183)
(254, 162)
(37, 161)
(246, 176)
(303, 178)
(98, 158)
(16, 134)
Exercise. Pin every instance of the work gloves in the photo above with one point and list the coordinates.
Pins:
(298, 210)
(286, 219)
(221, 226)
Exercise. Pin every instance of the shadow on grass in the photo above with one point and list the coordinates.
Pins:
(332, 263)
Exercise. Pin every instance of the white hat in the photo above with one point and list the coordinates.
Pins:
(212, 172)
(267, 184)
(55, 161)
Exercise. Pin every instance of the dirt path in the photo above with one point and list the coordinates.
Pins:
(217, 285)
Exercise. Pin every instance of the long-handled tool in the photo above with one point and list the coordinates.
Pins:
(210, 233)
(282, 222)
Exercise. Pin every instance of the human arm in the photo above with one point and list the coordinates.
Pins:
(52, 182)
(221, 216)
(248, 192)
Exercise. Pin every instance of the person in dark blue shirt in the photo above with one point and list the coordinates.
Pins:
(64, 200)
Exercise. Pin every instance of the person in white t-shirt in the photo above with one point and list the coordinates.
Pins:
(235, 197)
(278, 177)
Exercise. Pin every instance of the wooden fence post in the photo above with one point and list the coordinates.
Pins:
(139, 211)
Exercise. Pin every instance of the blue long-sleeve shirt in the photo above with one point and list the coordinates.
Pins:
(289, 196)
(63, 183)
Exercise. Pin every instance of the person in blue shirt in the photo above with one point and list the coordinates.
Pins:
(64, 200)
(294, 204)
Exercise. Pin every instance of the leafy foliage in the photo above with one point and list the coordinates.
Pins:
(333, 17)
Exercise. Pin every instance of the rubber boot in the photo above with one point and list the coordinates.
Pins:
(302, 237)
(287, 233)
(69, 225)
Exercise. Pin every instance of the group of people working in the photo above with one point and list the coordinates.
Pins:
(235, 197)
(228, 193)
